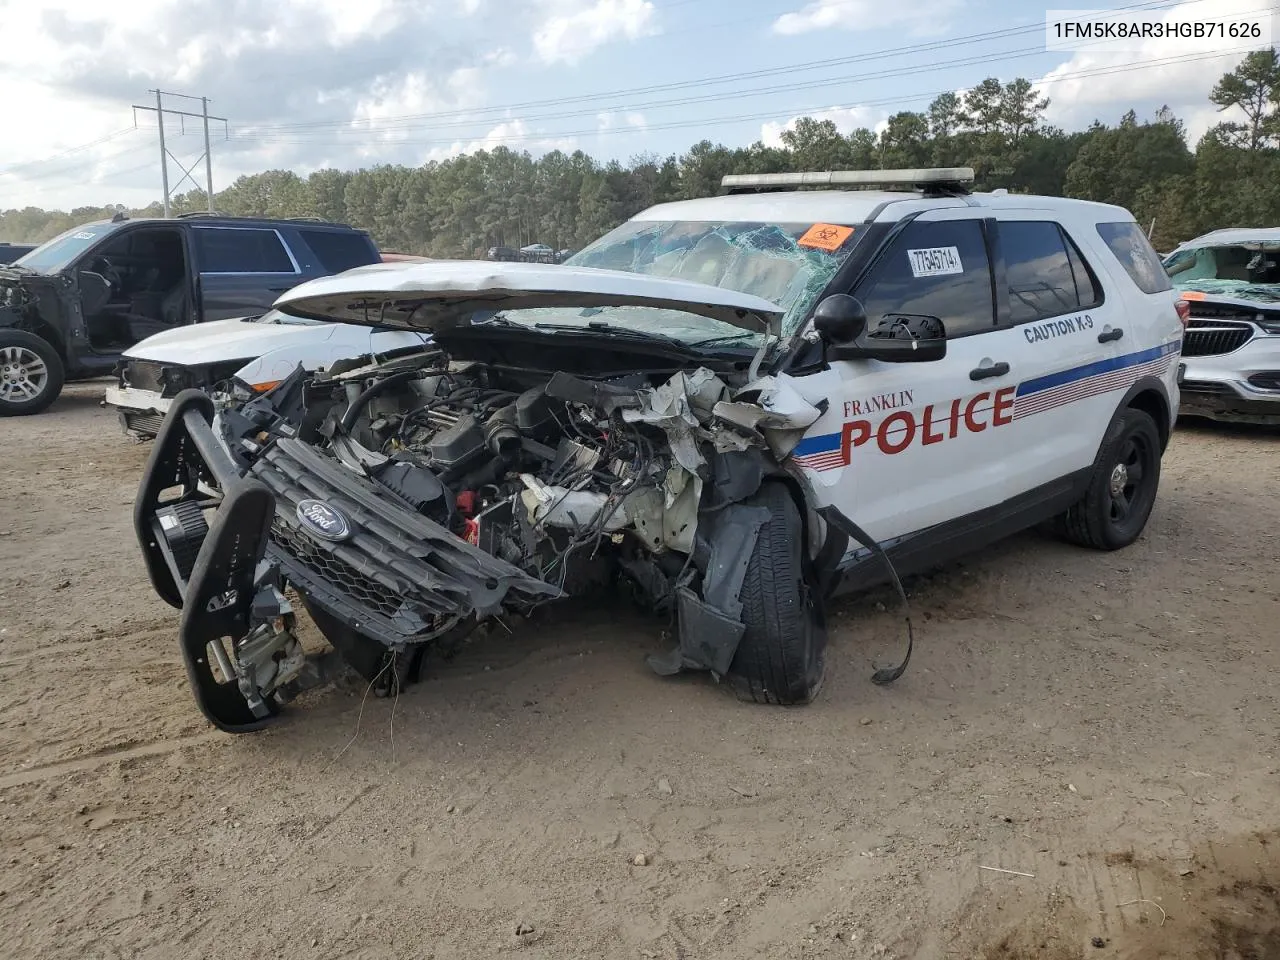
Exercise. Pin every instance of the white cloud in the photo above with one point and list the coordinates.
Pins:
(1103, 85)
(515, 134)
(846, 119)
(573, 28)
(920, 19)
(613, 120)
(418, 93)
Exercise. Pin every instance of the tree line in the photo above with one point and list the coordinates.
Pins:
(462, 206)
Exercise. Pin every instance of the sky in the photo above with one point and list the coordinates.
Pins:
(309, 84)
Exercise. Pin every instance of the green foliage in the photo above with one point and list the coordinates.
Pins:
(462, 206)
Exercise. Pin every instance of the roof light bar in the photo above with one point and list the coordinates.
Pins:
(924, 176)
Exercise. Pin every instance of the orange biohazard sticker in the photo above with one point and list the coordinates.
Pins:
(825, 236)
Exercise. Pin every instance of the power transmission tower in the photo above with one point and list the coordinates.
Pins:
(165, 156)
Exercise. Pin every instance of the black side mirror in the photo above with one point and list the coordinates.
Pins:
(901, 338)
(840, 319)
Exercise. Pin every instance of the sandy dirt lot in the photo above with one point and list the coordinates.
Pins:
(1104, 727)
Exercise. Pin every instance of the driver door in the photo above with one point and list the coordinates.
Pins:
(905, 446)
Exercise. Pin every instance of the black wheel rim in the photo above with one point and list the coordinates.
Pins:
(1131, 483)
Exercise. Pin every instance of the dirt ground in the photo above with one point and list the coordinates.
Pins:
(1101, 727)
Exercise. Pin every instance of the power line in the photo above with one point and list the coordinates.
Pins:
(1017, 54)
(926, 47)
(770, 114)
(82, 165)
(67, 152)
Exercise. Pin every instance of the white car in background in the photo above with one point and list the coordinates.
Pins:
(258, 351)
(1230, 368)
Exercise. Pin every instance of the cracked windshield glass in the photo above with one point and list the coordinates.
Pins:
(1250, 271)
(780, 262)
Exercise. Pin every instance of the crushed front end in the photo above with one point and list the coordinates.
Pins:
(408, 501)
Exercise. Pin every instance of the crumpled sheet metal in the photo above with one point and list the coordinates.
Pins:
(711, 625)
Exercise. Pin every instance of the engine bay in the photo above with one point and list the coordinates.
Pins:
(534, 474)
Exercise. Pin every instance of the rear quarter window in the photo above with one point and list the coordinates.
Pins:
(241, 250)
(339, 250)
(1046, 275)
(1130, 246)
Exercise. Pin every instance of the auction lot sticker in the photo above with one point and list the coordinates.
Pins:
(935, 261)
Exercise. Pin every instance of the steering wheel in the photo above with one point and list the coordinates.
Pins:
(104, 267)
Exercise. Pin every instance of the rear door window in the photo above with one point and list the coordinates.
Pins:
(241, 250)
(339, 250)
(1046, 275)
(1130, 246)
(938, 270)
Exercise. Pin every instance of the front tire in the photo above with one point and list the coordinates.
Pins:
(781, 658)
(1122, 488)
(31, 374)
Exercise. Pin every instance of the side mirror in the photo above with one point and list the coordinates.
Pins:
(903, 338)
(840, 319)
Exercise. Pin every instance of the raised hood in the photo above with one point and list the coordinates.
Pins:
(222, 340)
(445, 293)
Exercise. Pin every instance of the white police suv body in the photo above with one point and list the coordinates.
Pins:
(739, 406)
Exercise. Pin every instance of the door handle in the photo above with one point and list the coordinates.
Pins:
(1107, 336)
(994, 370)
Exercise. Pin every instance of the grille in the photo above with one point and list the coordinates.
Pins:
(144, 375)
(147, 424)
(339, 574)
(1202, 388)
(1206, 338)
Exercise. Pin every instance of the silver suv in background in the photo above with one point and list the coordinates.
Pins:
(1231, 354)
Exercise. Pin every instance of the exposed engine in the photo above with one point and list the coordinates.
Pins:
(560, 476)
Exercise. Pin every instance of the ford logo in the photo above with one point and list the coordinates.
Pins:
(326, 522)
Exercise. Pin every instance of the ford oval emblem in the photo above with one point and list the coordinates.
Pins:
(325, 521)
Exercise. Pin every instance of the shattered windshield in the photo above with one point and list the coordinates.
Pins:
(1250, 271)
(53, 255)
(789, 264)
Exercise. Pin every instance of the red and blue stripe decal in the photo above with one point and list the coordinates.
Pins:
(831, 451)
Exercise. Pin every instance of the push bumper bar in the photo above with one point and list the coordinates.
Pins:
(397, 583)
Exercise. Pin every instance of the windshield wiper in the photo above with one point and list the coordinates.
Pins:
(626, 333)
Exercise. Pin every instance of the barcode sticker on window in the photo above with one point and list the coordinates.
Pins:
(935, 261)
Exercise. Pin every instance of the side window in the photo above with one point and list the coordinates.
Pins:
(1136, 255)
(938, 270)
(241, 250)
(339, 250)
(1046, 274)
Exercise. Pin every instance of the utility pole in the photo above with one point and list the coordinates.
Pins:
(165, 156)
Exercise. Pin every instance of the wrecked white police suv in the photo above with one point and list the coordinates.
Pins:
(733, 407)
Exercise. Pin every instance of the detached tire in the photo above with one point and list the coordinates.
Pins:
(1122, 489)
(31, 373)
(781, 658)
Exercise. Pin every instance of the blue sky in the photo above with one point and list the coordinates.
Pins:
(312, 83)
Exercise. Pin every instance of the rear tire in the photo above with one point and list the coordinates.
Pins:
(781, 657)
(1122, 489)
(31, 373)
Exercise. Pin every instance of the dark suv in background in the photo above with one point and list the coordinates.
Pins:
(69, 307)
(10, 252)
